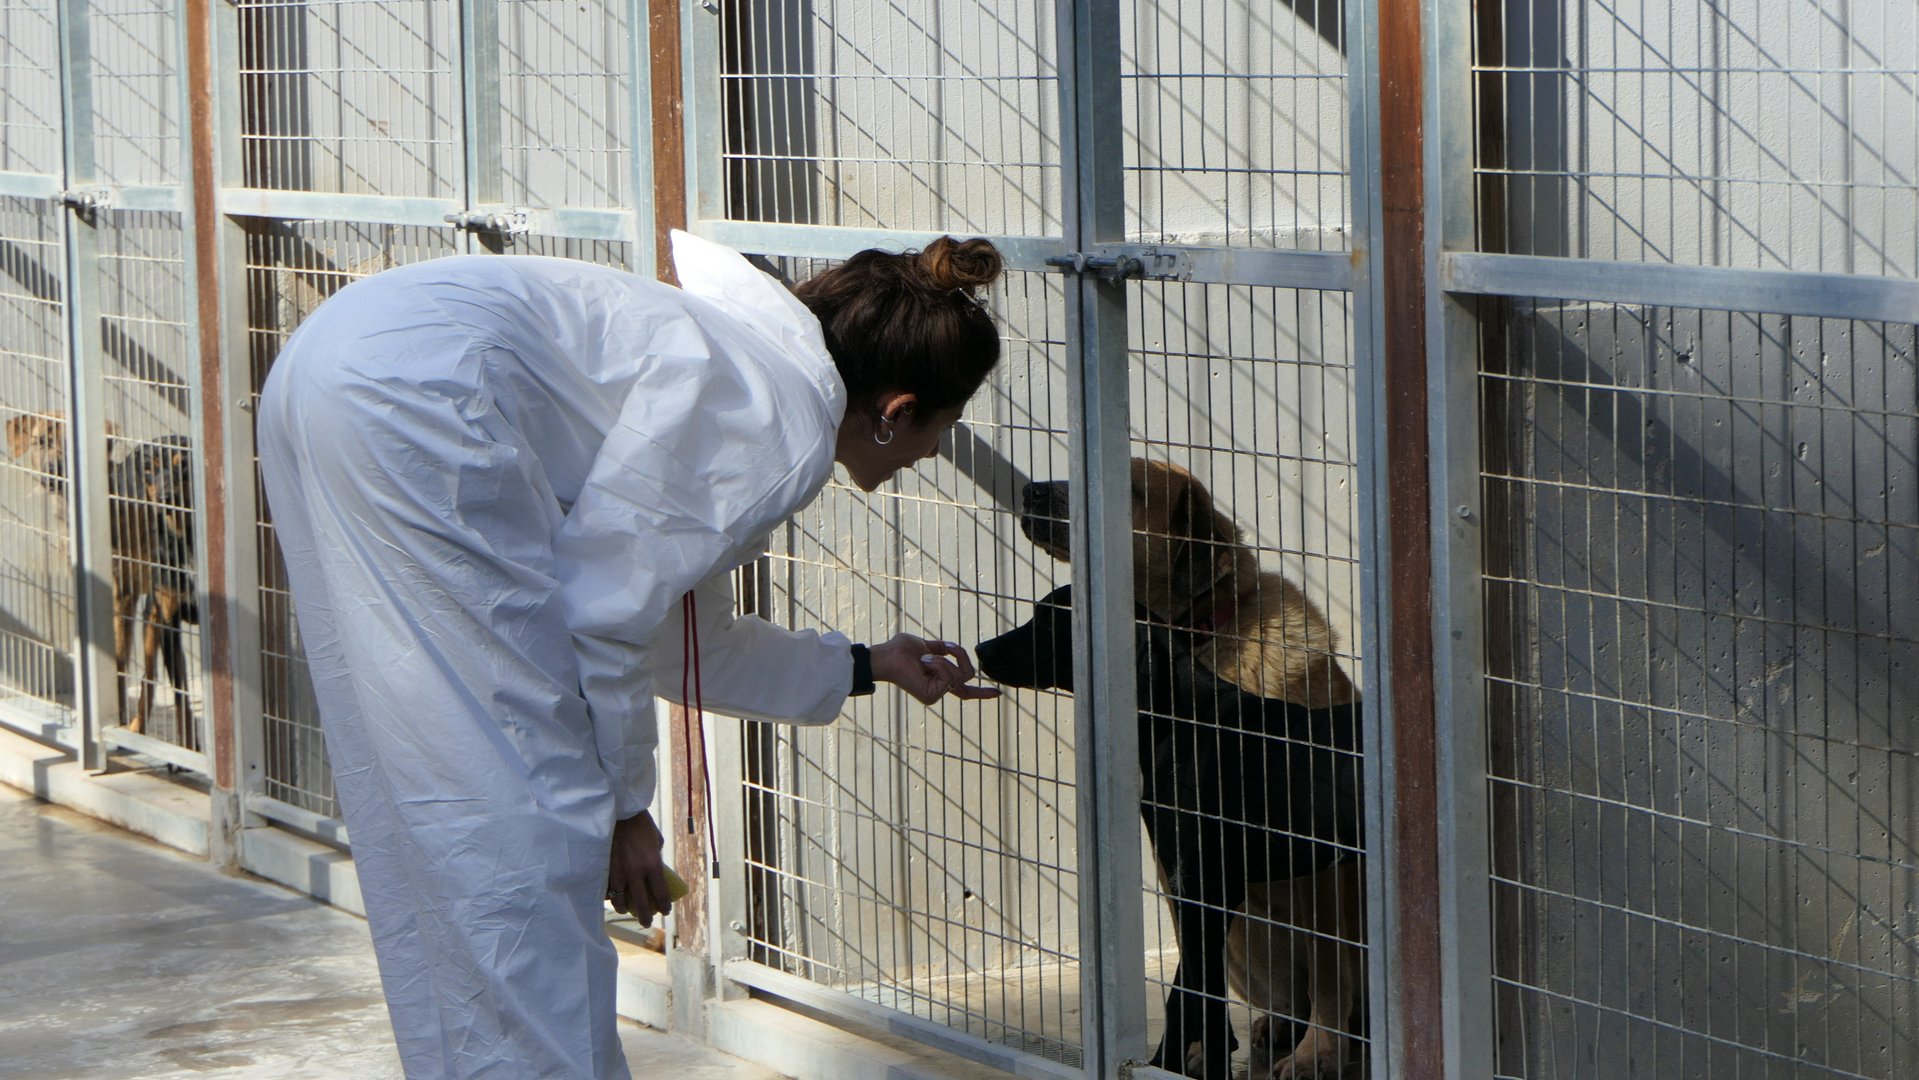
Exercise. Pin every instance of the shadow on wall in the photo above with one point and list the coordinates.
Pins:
(1703, 761)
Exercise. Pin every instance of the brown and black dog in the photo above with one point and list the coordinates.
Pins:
(1296, 945)
(152, 522)
(150, 501)
(1193, 568)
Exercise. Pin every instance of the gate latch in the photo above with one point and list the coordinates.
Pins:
(1121, 263)
(1113, 268)
(86, 200)
(503, 221)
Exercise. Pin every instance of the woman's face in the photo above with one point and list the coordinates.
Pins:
(911, 439)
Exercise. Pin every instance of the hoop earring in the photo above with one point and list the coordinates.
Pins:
(886, 429)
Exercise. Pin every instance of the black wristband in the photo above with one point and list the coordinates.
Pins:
(862, 672)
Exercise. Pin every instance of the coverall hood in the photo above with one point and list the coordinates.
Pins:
(721, 277)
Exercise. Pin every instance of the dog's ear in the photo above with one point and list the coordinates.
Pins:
(19, 430)
(1204, 539)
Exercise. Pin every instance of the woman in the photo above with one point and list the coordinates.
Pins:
(495, 481)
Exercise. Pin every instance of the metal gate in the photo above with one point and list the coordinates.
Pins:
(1687, 510)
(103, 559)
(973, 875)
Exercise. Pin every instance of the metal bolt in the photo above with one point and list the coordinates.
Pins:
(737, 927)
(1465, 513)
(245, 404)
(711, 6)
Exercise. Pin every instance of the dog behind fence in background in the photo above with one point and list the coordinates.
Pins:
(150, 498)
(152, 522)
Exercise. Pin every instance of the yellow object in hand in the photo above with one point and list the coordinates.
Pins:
(676, 886)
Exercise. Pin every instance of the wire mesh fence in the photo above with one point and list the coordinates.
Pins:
(136, 91)
(29, 87)
(1700, 685)
(948, 121)
(1757, 135)
(1246, 567)
(292, 267)
(566, 99)
(150, 473)
(1700, 546)
(36, 642)
(355, 97)
(1236, 122)
(922, 858)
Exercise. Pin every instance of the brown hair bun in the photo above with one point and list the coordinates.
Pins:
(911, 322)
(960, 264)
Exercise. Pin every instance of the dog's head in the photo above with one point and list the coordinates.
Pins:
(1183, 544)
(1037, 654)
(160, 474)
(39, 442)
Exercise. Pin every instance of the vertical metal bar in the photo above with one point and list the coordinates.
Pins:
(685, 78)
(89, 509)
(1415, 940)
(1112, 932)
(1454, 586)
(202, 223)
(676, 34)
(236, 540)
(1375, 553)
(482, 180)
(695, 52)
(640, 135)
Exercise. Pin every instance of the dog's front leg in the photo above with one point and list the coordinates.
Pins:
(1198, 1040)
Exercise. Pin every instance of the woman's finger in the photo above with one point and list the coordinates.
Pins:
(975, 693)
(958, 653)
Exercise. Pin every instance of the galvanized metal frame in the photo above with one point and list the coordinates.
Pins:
(1369, 332)
(246, 775)
(1112, 930)
(1459, 275)
(1112, 994)
(89, 509)
(177, 198)
(1459, 666)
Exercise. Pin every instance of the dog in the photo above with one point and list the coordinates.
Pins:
(1193, 569)
(151, 494)
(150, 521)
(1237, 791)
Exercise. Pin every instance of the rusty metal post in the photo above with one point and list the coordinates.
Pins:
(203, 173)
(1414, 945)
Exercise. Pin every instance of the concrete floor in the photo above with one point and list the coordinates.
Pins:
(121, 958)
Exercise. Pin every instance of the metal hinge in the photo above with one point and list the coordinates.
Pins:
(1117, 263)
(503, 221)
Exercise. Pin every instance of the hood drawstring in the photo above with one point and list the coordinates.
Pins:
(690, 673)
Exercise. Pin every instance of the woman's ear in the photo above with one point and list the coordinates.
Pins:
(896, 406)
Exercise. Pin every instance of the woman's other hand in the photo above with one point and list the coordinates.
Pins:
(636, 874)
(928, 670)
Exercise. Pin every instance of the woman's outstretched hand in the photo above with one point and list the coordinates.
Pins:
(928, 670)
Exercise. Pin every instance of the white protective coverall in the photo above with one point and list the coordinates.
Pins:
(493, 479)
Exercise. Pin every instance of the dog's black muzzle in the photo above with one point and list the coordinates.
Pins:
(1037, 654)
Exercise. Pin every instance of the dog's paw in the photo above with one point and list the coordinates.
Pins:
(1319, 1056)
